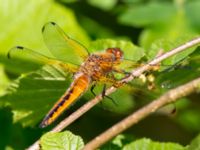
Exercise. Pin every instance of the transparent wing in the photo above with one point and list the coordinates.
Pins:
(127, 65)
(25, 53)
(62, 46)
(30, 55)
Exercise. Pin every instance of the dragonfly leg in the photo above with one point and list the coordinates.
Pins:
(174, 110)
(92, 89)
(123, 72)
(117, 82)
(104, 95)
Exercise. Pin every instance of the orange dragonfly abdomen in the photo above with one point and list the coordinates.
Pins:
(77, 88)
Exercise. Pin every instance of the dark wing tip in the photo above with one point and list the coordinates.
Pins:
(43, 28)
(17, 47)
(20, 47)
(52, 23)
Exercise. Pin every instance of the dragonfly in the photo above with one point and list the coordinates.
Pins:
(87, 68)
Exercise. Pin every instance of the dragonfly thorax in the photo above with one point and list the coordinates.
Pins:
(100, 64)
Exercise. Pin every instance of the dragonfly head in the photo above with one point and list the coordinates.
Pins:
(117, 52)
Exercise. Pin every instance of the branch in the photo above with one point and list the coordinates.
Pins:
(135, 73)
(169, 97)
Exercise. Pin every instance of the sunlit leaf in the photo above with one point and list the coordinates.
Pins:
(192, 13)
(4, 81)
(195, 144)
(61, 141)
(147, 14)
(147, 144)
(103, 4)
(171, 24)
(36, 94)
(118, 142)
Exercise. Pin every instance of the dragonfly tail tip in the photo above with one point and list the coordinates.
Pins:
(42, 125)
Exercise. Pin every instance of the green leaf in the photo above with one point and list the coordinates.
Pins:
(147, 14)
(4, 81)
(118, 142)
(177, 27)
(25, 29)
(17, 65)
(61, 141)
(68, 1)
(147, 144)
(192, 13)
(172, 23)
(36, 94)
(103, 4)
(131, 51)
(6, 122)
(122, 102)
(195, 144)
(133, 2)
(189, 119)
(96, 30)
(172, 30)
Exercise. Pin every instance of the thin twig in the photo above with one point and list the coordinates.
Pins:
(169, 97)
(135, 73)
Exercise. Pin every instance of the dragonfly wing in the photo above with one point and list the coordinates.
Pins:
(127, 65)
(25, 53)
(62, 46)
(31, 55)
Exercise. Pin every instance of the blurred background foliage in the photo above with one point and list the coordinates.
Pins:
(141, 28)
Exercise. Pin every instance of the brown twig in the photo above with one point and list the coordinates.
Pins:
(169, 97)
(97, 99)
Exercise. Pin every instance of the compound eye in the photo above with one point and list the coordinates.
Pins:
(119, 53)
(115, 51)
